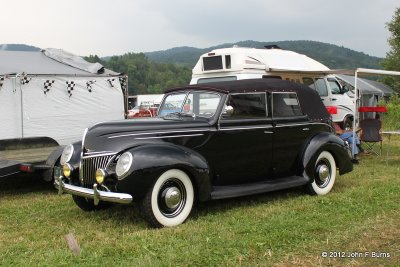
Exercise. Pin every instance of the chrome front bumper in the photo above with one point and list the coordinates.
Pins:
(94, 193)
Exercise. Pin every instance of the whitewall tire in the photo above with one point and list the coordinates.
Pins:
(324, 174)
(169, 202)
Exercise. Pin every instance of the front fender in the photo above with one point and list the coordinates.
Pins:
(326, 142)
(54, 158)
(150, 161)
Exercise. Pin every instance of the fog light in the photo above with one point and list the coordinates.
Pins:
(67, 170)
(100, 176)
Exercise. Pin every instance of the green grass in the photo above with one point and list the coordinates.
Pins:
(283, 228)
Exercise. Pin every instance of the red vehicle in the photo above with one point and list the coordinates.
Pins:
(144, 110)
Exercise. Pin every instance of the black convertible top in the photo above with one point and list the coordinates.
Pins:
(310, 101)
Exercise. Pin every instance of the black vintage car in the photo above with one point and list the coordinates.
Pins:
(212, 141)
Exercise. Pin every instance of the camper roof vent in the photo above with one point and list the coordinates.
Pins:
(272, 47)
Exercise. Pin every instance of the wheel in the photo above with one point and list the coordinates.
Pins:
(169, 202)
(348, 123)
(87, 204)
(324, 174)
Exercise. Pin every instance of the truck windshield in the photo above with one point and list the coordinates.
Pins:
(202, 104)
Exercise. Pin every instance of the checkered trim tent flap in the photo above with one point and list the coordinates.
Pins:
(70, 87)
(47, 86)
(89, 85)
(110, 81)
(25, 79)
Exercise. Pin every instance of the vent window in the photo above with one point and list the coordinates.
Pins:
(228, 62)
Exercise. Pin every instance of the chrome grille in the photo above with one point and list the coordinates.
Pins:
(89, 166)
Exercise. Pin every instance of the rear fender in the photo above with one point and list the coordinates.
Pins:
(326, 142)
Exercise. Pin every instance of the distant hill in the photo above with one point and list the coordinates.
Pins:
(18, 47)
(331, 55)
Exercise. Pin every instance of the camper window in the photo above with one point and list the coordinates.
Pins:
(216, 79)
(212, 63)
(309, 82)
(334, 86)
(228, 62)
(320, 86)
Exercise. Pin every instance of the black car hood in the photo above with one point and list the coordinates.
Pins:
(115, 136)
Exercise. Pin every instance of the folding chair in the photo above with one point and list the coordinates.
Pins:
(371, 135)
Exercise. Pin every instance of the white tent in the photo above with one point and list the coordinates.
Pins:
(56, 94)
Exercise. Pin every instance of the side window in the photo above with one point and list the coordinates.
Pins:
(320, 86)
(285, 105)
(334, 86)
(245, 106)
(201, 104)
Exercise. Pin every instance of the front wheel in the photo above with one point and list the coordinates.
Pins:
(87, 204)
(169, 202)
(324, 174)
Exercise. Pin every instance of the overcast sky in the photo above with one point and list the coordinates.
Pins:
(115, 27)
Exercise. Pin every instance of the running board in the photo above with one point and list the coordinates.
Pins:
(230, 191)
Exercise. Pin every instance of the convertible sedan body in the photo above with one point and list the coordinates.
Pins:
(210, 141)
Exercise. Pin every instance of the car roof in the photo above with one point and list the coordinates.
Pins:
(309, 99)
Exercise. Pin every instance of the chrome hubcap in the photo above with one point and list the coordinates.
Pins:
(172, 197)
(323, 172)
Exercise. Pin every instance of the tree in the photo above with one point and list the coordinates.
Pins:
(392, 60)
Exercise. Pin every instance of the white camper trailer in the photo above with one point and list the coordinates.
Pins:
(238, 63)
(47, 99)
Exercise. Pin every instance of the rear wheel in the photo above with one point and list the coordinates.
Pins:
(169, 202)
(324, 174)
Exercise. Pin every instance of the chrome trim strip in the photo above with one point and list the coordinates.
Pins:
(94, 193)
(208, 130)
(246, 128)
(168, 136)
(98, 155)
(299, 124)
(82, 148)
(165, 132)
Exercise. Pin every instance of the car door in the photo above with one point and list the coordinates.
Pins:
(240, 151)
(291, 131)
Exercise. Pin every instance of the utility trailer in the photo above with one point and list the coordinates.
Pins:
(47, 99)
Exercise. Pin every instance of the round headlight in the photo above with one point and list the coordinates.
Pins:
(100, 175)
(67, 170)
(67, 154)
(123, 164)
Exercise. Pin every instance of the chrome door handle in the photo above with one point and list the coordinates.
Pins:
(306, 129)
(268, 132)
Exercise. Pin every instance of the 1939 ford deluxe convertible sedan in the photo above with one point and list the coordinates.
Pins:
(211, 141)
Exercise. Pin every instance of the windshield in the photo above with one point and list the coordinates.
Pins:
(202, 104)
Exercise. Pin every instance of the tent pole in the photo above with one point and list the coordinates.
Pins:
(22, 107)
(355, 120)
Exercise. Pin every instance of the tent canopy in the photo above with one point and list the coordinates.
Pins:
(367, 87)
(48, 62)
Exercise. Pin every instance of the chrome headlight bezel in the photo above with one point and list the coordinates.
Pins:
(124, 164)
(67, 154)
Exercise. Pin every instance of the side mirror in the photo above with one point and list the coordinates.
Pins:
(228, 111)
